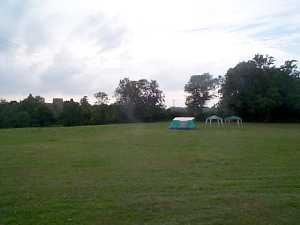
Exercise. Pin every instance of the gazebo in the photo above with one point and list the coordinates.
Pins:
(235, 119)
(214, 118)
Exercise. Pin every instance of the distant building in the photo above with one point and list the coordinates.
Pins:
(57, 104)
(57, 101)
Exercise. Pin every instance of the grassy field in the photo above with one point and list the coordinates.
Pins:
(147, 174)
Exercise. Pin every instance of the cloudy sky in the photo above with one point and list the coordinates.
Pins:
(72, 48)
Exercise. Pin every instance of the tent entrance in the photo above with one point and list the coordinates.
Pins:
(183, 124)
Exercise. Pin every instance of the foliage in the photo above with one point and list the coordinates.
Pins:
(32, 111)
(85, 111)
(104, 114)
(71, 114)
(101, 98)
(140, 100)
(137, 101)
(257, 90)
(200, 89)
(39, 113)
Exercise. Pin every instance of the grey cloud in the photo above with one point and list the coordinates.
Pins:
(283, 33)
(64, 75)
(21, 27)
(16, 79)
(106, 33)
(68, 74)
(12, 13)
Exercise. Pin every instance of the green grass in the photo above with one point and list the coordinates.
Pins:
(147, 174)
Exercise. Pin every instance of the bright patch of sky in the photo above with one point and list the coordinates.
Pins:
(72, 48)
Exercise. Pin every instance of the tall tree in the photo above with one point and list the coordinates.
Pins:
(258, 90)
(263, 62)
(290, 67)
(71, 113)
(85, 110)
(141, 100)
(200, 89)
(101, 98)
(40, 114)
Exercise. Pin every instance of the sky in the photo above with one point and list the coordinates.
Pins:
(73, 48)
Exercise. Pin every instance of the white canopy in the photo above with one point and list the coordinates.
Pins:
(184, 118)
(210, 119)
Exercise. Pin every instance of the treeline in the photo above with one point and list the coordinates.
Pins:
(256, 90)
(136, 101)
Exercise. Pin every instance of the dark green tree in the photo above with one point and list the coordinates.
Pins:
(200, 89)
(71, 113)
(258, 90)
(101, 98)
(86, 111)
(140, 100)
(11, 115)
(40, 114)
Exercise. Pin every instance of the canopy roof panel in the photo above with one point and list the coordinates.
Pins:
(233, 118)
(214, 117)
(184, 118)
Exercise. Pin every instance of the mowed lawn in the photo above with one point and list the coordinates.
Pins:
(148, 174)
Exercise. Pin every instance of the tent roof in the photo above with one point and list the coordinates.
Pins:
(233, 118)
(214, 117)
(184, 118)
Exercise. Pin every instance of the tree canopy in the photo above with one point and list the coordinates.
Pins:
(140, 100)
(200, 89)
(101, 98)
(257, 90)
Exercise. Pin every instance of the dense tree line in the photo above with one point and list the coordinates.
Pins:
(137, 101)
(256, 90)
(32, 111)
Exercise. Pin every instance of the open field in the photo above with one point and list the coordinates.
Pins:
(147, 174)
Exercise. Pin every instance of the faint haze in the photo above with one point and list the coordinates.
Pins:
(72, 48)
